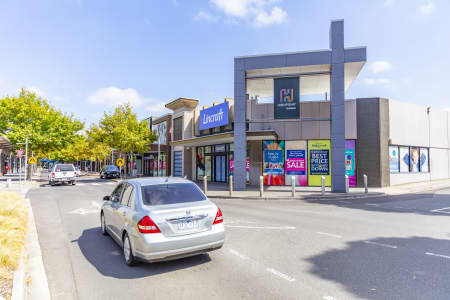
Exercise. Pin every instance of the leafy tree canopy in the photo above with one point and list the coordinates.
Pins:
(47, 128)
(122, 131)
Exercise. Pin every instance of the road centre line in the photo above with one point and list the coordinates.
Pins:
(240, 255)
(281, 275)
(95, 183)
(110, 183)
(440, 210)
(329, 234)
(262, 227)
(380, 244)
(270, 270)
(372, 204)
(438, 255)
(346, 202)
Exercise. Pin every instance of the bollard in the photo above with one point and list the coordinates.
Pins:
(261, 186)
(366, 190)
(293, 186)
(323, 185)
(205, 184)
(231, 185)
(8, 183)
(346, 184)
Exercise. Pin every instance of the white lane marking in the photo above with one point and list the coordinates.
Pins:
(329, 234)
(83, 211)
(262, 227)
(115, 252)
(380, 244)
(281, 275)
(438, 255)
(95, 183)
(80, 184)
(372, 204)
(96, 204)
(329, 298)
(440, 210)
(110, 183)
(240, 255)
(346, 202)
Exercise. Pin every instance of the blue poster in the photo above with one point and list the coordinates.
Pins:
(214, 116)
(273, 162)
(319, 162)
(295, 162)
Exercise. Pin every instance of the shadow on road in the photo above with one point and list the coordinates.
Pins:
(371, 271)
(421, 203)
(106, 256)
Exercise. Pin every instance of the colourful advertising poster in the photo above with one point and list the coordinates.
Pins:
(350, 164)
(393, 159)
(319, 162)
(424, 164)
(273, 165)
(404, 159)
(414, 159)
(296, 163)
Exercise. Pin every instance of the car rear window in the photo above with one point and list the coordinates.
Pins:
(172, 193)
(112, 168)
(64, 168)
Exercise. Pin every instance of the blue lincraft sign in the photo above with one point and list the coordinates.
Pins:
(214, 116)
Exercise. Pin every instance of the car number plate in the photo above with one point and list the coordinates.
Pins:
(187, 225)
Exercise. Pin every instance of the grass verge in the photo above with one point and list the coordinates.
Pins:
(13, 228)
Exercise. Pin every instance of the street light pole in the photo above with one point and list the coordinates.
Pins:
(159, 146)
(26, 158)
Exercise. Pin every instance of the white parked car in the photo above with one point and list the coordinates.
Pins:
(62, 173)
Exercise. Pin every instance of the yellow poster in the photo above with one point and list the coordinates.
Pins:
(319, 162)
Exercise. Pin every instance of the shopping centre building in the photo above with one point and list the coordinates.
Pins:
(289, 119)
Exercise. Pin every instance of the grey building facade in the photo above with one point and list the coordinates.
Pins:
(332, 63)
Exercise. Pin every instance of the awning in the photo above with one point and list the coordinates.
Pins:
(227, 137)
(5, 144)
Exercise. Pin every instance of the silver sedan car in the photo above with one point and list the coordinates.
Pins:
(161, 218)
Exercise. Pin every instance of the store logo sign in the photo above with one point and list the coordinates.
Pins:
(287, 95)
(214, 116)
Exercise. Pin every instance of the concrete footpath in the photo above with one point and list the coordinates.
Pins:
(215, 190)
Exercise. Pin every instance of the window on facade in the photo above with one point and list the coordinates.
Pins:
(200, 163)
(405, 159)
(178, 129)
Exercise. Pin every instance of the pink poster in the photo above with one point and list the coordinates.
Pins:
(296, 166)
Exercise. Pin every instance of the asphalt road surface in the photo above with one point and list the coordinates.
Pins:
(377, 248)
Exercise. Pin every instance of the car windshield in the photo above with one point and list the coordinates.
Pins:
(112, 169)
(63, 168)
(172, 193)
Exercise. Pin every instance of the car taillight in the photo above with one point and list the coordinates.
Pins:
(53, 175)
(75, 173)
(219, 217)
(146, 225)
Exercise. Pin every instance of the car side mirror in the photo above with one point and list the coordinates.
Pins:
(107, 198)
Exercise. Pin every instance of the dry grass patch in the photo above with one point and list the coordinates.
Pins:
(13, 227)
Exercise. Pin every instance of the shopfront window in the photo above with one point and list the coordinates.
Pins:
(200, 163)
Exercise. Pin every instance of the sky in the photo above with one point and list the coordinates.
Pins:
(86, 57)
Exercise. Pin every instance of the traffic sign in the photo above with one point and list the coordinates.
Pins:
(120, 162)
(19, 153)
(32, 160)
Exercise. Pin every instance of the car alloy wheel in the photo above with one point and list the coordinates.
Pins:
(127, 252)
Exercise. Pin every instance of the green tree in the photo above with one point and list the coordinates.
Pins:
(48, 129)
(121, 130)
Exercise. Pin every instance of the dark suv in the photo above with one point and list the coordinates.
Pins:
(110, 171)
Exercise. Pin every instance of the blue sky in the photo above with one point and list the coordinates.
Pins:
(86, 56)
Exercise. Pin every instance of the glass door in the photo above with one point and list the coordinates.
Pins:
(220, 168)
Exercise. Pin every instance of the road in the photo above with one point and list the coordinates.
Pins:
(376, 248)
